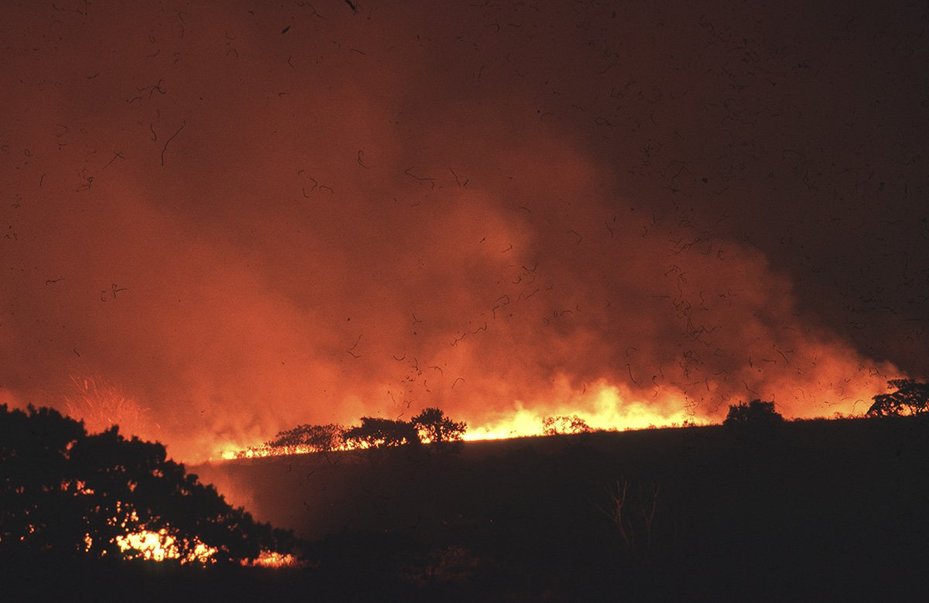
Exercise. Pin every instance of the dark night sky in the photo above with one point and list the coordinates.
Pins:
(236, 216)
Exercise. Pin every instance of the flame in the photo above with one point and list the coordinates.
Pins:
(150, 545)
(273, 559)
(166, 544)
(606, 409)
(606, 406)
(600, 407)
(161, 546)
(229, 453)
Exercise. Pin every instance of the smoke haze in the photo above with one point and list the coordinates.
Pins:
(223, 219)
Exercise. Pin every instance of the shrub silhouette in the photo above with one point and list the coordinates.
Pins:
(911, 398)
(67, 492)
(756, 412)
(380, 433)
(430, 426)
(433, 426)
(309, 438)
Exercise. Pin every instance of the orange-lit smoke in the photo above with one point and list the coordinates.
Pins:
(505, 212)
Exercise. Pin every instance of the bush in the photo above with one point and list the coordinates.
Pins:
(911, 398)
(756, 413)
(434, 427)
(380, 433)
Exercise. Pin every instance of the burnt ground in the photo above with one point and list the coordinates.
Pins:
(814, 510)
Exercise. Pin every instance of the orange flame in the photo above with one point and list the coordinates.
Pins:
(273, 559)
(602, 407)
(605, 408)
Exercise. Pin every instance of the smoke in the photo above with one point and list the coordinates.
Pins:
(236, 228)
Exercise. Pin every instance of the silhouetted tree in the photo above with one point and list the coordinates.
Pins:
(314, 438)
(756, 412)
(633, 513)
(911, 398)
(37, 481)
(380, 433)
(64, 491)
(564, 424)
(433, 426)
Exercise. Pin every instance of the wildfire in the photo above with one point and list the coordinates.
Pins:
(603, 407)
(165, 544)
(161, 546)
(248, 453)
(150, 545)
(260, 451)
(605, 410)
(263, 450)
(273, 559)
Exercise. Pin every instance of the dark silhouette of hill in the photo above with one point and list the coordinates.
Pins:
(817, 509)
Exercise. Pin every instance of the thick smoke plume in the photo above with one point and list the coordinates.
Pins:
(230, 218)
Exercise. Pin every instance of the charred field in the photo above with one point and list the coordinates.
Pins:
(820, 510)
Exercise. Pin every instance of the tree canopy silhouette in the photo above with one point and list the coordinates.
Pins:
(433, 426)
(911, 398)
(309, 438)
(756, 412)
(381, 433)
(65, 491)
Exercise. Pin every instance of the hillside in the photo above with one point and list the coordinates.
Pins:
(819, 508)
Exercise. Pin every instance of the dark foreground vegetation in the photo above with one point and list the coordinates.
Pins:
(430, 426)
(78, 504)
(757, 509)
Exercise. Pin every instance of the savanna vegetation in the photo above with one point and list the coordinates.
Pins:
(430, 426)
(754, 413)
(758, 508)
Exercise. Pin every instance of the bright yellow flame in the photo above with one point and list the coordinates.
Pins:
(605, 409)
(521, 423)
(263, 450)
(161, 545)
(251, 452)
(602, 407)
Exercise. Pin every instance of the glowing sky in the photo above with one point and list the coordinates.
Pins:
(238, 216)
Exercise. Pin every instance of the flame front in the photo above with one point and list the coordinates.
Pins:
(601, 407)
(605, 410)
